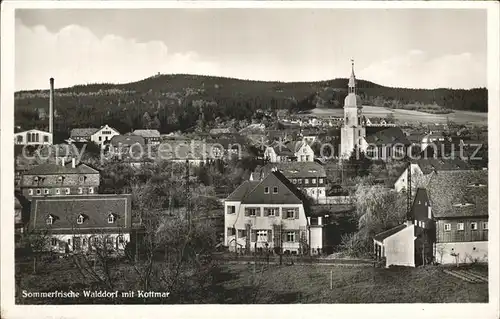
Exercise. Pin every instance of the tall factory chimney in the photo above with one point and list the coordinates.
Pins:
(51, 107)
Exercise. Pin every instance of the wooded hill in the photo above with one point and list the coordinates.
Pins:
(174, 102)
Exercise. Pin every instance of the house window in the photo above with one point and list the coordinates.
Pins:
(290, 236)
(320, 191)
(35, 179)
(266, 190)
(59, 178)
(38, 191)
(485, 225)
(262, 235)
(231, 209)
(321, 181)
(473, 226)
(111, 218)
(67, 191)
(290, 213)
(46, 191)
(91, 190)
(415, 223)
(306, 181)
(46, 139)
(252, 211)
(423, 224)
(272, 211)
(242, 233)
(460, 226)
(294, 181)
(53, 241)
(314, 181)
(447, 227)
(30, 191)
(100, 138)
(79, 220)
(81, 179)
(275, 190)
(49, 220)
(80, 190)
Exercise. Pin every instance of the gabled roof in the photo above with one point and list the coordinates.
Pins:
(147, 133)
(253, 192)
(419, 209)
(241, 191)
(428, 165)
(386, 136)
(66, 209)
(127, 140)
(294, 169)
(83, 132)
(49, 169)
(448, 189)
(388, 233)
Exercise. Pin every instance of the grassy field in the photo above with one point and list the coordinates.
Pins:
(311, 284)
(237, 284)
(410, 116)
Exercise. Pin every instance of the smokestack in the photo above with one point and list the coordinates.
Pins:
(51, 107)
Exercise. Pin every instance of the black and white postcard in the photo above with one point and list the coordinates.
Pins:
(323, 159)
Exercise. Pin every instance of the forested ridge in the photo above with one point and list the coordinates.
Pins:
(182, 102)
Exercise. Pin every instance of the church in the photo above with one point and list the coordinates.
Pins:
(379, 142)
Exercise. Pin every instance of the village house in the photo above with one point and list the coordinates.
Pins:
(60, 180)
(103, 135)
(459, 200)
(150, 136)
(194, 152)
(299, 151)
(127, 145)
(81, 223)
(33, 137)
(309, 177)
(82, 135)
(268, 214)
(448, 223)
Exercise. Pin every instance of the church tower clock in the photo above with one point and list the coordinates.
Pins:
(353, 131)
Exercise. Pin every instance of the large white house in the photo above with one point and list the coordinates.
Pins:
(33, 137)
(299, 151)
(310, 177)
(104, 135)
(268, 214)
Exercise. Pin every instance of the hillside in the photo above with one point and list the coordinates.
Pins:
(173, 102)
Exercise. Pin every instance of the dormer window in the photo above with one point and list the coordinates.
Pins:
(60, 179)
(111, 219)
(36, 179)
(81, 179)
(80, 219)
(49, 220)
(463, 205)
(477, 185)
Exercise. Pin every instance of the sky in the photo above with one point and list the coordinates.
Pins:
(415, 48)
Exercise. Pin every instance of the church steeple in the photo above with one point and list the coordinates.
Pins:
(352, 80)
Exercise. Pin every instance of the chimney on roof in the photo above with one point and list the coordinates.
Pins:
(51, 106)
(73, 162)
